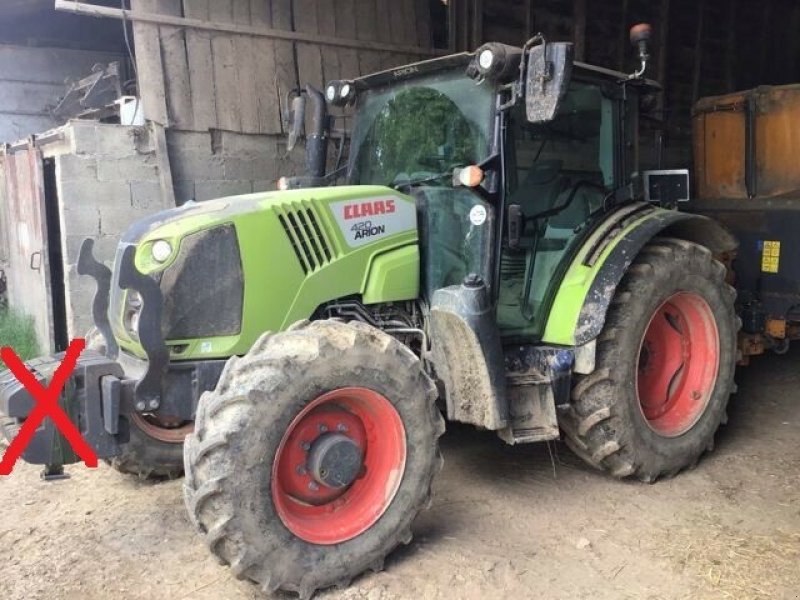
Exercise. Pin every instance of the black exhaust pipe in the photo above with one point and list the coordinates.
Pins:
(317, 137)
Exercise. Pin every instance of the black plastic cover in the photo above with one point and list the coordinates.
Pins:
(203, 289)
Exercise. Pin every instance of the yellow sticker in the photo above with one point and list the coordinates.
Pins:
(770, 257)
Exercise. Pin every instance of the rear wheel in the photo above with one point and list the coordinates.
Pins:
(313, 456)
(665, 366)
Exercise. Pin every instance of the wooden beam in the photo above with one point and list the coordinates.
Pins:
(162, 160)
(698, 50)
(622, 49)
(730, 50)
(452, 25)
(93, 10)
(767, 31)
(477, 23)
(579, 29)
(530, 19)
(663, 50)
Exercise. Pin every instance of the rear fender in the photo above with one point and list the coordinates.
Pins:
(579, 311)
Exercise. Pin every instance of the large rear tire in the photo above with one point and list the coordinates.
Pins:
(665, 366)
(273, 479)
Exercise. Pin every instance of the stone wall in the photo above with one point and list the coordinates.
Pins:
(107, 178)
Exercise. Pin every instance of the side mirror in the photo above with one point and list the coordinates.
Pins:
(296, 121)
(547, 81)
(516, 225)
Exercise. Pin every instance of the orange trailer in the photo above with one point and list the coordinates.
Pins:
(747, 176)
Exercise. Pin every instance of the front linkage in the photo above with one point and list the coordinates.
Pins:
(105, 389)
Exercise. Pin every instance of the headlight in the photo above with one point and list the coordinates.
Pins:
(485, 59)
(331, 92)
(133, 310)
(162, 250)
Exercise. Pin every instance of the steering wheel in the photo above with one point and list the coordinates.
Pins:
(573, 192)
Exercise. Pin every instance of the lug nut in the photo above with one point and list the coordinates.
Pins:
(305, 446)
(341, 427)
(140, 406)
(301, 470)
(323, 428)
(312, 485)
(153, 404)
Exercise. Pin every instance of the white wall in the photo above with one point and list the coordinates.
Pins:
(32, 79)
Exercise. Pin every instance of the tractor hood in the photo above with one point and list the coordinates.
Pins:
(232, 268)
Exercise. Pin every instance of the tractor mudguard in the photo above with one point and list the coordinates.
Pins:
(468, 354)
(579, 310)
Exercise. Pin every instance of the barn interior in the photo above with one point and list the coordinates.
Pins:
(208, 83)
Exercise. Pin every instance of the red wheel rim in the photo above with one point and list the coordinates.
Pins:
(678, 364)
(167, 431)
(321, 514)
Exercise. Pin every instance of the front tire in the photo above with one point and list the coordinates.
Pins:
(664, 369)
(155, 448)
(254, 485)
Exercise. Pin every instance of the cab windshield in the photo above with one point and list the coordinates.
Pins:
(421, 127)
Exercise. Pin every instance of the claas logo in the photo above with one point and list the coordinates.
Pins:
(370, 208)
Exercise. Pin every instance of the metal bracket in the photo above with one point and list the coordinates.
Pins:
(89, 265)
(148, 388)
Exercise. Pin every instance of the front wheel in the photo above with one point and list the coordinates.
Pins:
(665, 366)
(155, 448)
(313, 456)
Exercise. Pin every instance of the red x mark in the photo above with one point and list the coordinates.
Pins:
(46, 405)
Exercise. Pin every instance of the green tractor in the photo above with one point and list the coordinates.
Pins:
(490, 260)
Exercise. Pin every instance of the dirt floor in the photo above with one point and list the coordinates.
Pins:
(505, 522)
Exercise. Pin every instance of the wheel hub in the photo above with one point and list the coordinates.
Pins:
(678, 364)
(334, 460)
(339, 465)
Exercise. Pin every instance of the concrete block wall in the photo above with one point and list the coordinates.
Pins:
(215, 164)
(107, 178)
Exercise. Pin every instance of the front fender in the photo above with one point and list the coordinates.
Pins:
(579, 310)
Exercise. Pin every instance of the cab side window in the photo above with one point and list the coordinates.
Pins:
(559, 174)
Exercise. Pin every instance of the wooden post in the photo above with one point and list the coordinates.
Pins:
(698, 50)
(579, 29)
(162, 160)
(766, 33)
(477, 24)
(530, 19)
(452, 25)
(730, 50)
(663, 44)
(622, 49)
(795, 44)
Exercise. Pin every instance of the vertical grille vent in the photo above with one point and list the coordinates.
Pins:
(304, 230)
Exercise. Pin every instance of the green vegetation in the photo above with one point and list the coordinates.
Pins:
(17, 331)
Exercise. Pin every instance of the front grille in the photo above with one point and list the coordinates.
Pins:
(309, 241)
(203, 288)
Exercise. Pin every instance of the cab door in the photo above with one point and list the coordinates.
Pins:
(559, 174)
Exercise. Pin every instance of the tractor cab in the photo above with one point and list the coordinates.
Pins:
(502, 192)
